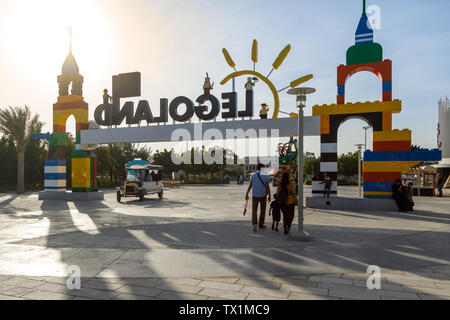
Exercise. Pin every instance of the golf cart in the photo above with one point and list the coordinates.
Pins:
(142, 178)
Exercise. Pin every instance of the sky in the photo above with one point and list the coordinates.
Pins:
(174, 43)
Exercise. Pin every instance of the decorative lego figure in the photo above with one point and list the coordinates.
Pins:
(207, 86)
(264, 111)
(106, 97)
(250, 84)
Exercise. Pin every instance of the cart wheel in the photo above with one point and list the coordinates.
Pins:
(141, 196)
(119, 196)
(160, 194)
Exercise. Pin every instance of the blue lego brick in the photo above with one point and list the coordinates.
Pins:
(378, 186)
(54, 162)
(55, 176)
(341, 90)
(387, 86)
(377, 197)
(415, 155)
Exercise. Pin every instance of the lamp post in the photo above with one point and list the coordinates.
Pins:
(359, 168)
(300, 93)
(365, 137)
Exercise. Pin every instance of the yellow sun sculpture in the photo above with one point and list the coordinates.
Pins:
(276, 64)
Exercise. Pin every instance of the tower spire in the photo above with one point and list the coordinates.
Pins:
(364, 8)
(70, 37)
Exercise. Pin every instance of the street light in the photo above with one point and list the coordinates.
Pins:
(300, 93)
(359, 168)
(365, 137)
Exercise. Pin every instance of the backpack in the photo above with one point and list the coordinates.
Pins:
(282, 196)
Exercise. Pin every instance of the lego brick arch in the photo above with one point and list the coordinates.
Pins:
(382, 69)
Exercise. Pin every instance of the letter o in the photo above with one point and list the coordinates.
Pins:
(173, 109)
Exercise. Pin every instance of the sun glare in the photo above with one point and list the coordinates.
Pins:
(36, 38)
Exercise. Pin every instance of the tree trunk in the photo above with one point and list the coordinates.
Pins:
(20, 169)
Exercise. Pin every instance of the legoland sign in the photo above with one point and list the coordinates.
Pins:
(128, 85)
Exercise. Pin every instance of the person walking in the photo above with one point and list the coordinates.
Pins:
(259, 185)
(440, 185)
(327, 186)
(286, 198)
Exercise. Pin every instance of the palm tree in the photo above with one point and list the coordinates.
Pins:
(19, 125)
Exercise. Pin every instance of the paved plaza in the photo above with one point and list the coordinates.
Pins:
(196, 244)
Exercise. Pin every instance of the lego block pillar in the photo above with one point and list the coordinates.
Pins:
(55, 175)
(84, 171)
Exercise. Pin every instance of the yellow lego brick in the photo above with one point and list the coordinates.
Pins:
(394, 135)
(70, 98)
(60, 117)
(324, 124)
(394, 106)
(387, 121)
(388, 166)
(81, 173)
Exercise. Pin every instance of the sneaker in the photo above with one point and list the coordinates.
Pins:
(276, 230)
(255, 228)
(262, 227)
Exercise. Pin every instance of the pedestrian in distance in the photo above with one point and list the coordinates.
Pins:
(259, 185)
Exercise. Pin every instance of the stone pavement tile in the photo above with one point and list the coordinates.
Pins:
(302, 283)
(60, 280)
(440, 269)
(278, 293)
(170, 286)
(215, 298)
(353, 293)
(431, 297)
(4, 297)
(5, 277)
(172, 295)
(80, 298)
(384, 285)
(415, 283)
(335, 280)
(304, 289)
(429, 275)
(259, 283)
(46, 295)
(224, 279)
(253, 296)
(98, 284)
(93, 293)
(54, 287)
(112, 280)
(126, 296)
(224, 294)
(22, 282)
(306, 296)
(220, 285)
(430, 291)
(387, 297)
(184, 281)
(142, 291)
(443, 284)
(14, 291)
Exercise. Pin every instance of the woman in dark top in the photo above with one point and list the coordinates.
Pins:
(400, 196)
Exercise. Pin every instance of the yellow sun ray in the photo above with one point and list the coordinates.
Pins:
(276, 64)
(228, 58)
